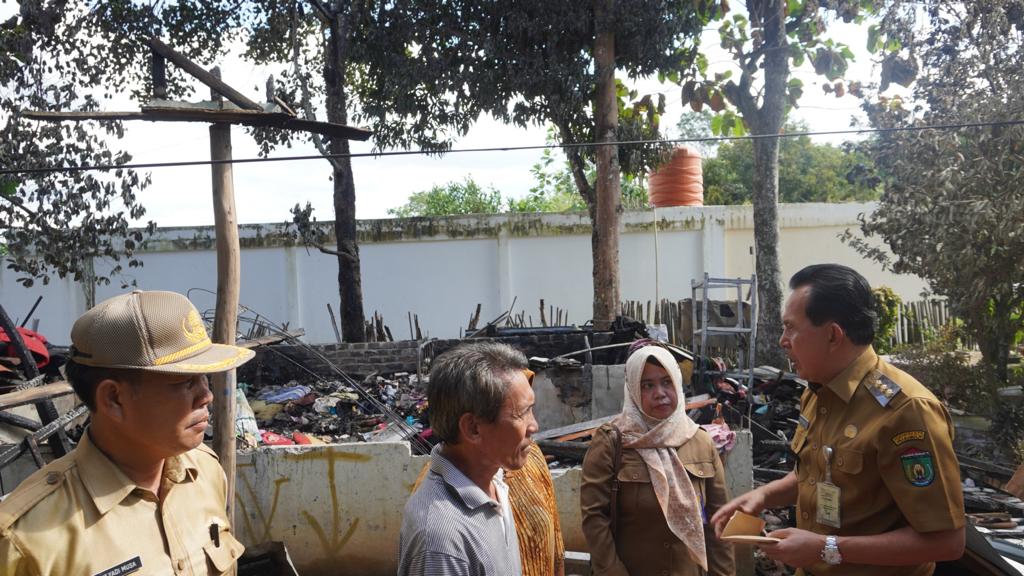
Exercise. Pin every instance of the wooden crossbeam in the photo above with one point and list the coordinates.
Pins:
(202, 75)
(196, 114)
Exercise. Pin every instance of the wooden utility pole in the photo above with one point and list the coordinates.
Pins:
(221, 115)
(228, 285)
(609, 192)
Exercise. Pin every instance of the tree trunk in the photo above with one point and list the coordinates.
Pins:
(766, 242)
(769, 120)
(349, 276)
(995, 337)
(605, 215)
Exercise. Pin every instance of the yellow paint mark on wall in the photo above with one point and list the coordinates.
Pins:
(266, 521)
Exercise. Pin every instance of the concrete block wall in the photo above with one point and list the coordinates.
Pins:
(543, 345)
(366, 357)
(277, 364)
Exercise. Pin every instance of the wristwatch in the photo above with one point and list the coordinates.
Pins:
(830, 553)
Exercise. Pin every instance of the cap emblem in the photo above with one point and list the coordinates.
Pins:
(193, 327)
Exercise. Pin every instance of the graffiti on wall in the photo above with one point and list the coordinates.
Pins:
(258, 519)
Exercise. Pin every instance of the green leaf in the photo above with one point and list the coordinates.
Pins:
(702, 64)
(8, 188)
(716, 125)
(873, 38)
(798, 56)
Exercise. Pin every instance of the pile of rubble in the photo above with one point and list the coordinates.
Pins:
(331, 411)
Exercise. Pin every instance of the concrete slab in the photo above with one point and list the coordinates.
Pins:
(341, 505)
(335, 507)
(607, 392)
(552, 409)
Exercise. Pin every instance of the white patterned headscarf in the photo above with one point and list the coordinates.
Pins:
(657, 441)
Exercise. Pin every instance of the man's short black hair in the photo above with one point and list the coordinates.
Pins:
(838, 294)
(84, 379)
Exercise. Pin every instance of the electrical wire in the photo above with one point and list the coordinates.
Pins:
(563, 146)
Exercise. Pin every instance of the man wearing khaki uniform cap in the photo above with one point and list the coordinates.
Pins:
(140, 494)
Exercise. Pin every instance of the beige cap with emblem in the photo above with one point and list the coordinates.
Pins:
(153, 331)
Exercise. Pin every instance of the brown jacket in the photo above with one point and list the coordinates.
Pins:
(643, 544)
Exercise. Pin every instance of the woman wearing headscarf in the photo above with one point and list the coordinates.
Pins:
(662, 474)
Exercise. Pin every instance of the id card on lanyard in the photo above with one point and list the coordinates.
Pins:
(828, 496)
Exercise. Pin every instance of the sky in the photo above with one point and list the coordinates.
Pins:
(264, 192)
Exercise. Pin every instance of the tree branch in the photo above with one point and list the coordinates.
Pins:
(344, 255)
(304, 96)
(326, 15)
(577, 166)
(19, 205)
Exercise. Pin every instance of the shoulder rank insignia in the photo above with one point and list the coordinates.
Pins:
(882, 387)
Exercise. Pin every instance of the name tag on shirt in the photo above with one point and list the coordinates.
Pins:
(126, 567)
(828, 504)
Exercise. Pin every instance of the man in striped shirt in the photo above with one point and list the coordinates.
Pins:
(459, 521)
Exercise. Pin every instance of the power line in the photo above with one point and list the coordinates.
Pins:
(564, 146)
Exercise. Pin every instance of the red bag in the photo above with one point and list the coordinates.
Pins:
(275, 439)
(34, 341)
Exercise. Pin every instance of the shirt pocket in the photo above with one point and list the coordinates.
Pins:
(700, 470)
(847, 462)
(634, 472)
(701, 473)
(222, 558)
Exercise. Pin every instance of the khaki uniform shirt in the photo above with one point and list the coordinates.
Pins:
(893, 459)
(80, 515)
(643, 544)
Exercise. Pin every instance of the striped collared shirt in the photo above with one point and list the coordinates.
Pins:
(452, 527)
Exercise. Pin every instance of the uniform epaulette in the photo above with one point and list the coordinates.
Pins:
(31, 491)
(883, 388)
(204, 448)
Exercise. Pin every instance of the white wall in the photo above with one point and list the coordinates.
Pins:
(440, 268)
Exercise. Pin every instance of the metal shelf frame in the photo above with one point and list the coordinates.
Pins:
(701, 333)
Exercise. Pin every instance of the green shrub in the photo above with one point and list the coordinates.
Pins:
(887, 306)
(945, 369)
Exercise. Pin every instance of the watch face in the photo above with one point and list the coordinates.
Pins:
(830, 554)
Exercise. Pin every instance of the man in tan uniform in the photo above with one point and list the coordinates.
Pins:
(877, 484)
(140, 494)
